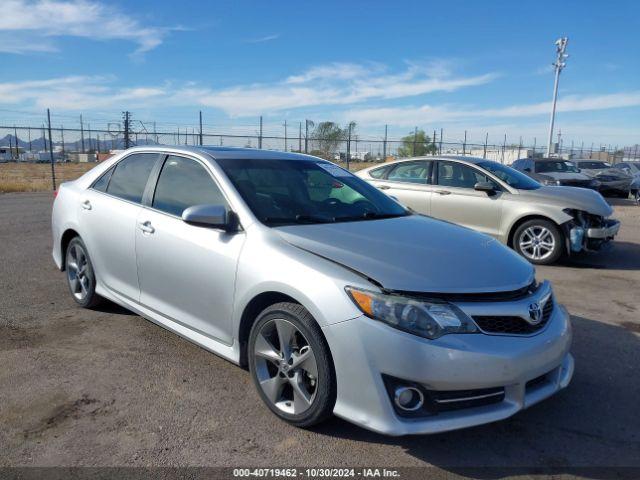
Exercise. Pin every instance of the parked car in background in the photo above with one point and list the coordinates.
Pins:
(555, 171)
(612, 181)
(633, 169)
(337, 298)
(539, 222)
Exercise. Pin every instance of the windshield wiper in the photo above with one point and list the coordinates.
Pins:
(370, 216)
(309, 219)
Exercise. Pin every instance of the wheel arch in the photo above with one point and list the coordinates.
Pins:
(68, 235)
(250, 313)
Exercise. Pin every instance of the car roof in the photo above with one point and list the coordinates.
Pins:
(218, 152)
(462, 158)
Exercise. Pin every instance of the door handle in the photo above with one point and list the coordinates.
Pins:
(443, 192)
(384, 187)
(147, 228)
(86, 205)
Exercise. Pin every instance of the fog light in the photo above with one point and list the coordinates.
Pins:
(408, 399)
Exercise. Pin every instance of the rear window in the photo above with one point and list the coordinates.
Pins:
(129, 179)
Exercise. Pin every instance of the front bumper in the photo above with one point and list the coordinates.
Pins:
(606, 232)
(364, 350)
(622, 185)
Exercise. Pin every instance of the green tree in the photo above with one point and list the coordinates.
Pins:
(416, 144)
(326, 138)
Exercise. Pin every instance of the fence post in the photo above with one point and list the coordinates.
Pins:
(260, 137)
(415, 139)
(440, 152)
(464, 144)
(53, 170)
(15, 136)
(81, 133)
(299, 137)
(285, 135)
(200, 127)
(61, 136)
(486, 140)
(349, 146)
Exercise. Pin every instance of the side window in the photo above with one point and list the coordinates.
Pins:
(411, 172)
(130, 176)
(454, 174)
(379, 172)
(102, 182)
(182, 183)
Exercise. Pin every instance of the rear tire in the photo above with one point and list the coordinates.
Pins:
(81, 277)
(291, 365)
(539, 241)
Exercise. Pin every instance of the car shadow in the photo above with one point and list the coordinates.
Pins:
(107, 306)
(592, 424)
(618, 255)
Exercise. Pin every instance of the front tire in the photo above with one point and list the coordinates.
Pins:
(291, 365)
(539, 241)
(80, 274)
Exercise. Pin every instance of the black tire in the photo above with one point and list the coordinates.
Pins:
(549, 257)
(84, 291)
(324, 397)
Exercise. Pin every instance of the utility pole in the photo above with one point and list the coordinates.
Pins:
(53, 170)
(126, 118)
(260, 137)
(464, 144)
(200, 128)
(561, 46)
(285, 135)
(349, 146)
(81, 133)
(384, 144)
(62, 137)
(15, 136)
(486, 140)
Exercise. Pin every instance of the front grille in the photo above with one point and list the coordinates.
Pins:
(512, 325)
(473, 297)
(575, 183)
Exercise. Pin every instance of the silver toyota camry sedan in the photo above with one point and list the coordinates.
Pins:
(337, 298)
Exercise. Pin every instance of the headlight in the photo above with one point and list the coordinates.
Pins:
(594, 183)
(551, 181)
(429, 319)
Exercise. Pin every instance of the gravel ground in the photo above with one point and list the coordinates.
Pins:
(108, 388)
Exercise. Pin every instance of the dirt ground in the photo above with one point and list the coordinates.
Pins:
(108, 388)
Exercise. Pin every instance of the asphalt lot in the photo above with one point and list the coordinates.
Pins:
(109, 388)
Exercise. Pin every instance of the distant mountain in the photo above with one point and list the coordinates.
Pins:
(90, 143)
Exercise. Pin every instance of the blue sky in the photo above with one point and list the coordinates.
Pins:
(476, 66)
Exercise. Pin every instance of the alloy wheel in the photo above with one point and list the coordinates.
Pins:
(77, 272)
(286, 366)
(537, 242)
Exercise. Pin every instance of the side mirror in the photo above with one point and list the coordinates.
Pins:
(527, 169)
(487, 187)
(212, 216)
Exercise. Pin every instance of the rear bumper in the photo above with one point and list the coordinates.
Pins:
(364, 350)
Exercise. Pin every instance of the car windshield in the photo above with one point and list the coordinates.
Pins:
(594, 165)
(553, 166)
(286, 192)
(510, 176)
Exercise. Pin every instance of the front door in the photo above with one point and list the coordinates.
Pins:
(455, 199)
(187, 273)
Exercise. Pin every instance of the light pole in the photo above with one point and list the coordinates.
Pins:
(561, 46)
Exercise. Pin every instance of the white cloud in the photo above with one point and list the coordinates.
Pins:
(266, 38)
(30, 25)
(430, 114)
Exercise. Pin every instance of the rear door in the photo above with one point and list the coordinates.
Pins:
(455, 199)
(187, 273)
(109, 209)
(408, 182)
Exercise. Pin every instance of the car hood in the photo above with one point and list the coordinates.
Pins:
(416, 254)
(566, 175)
(569, 197)
(613, 172)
